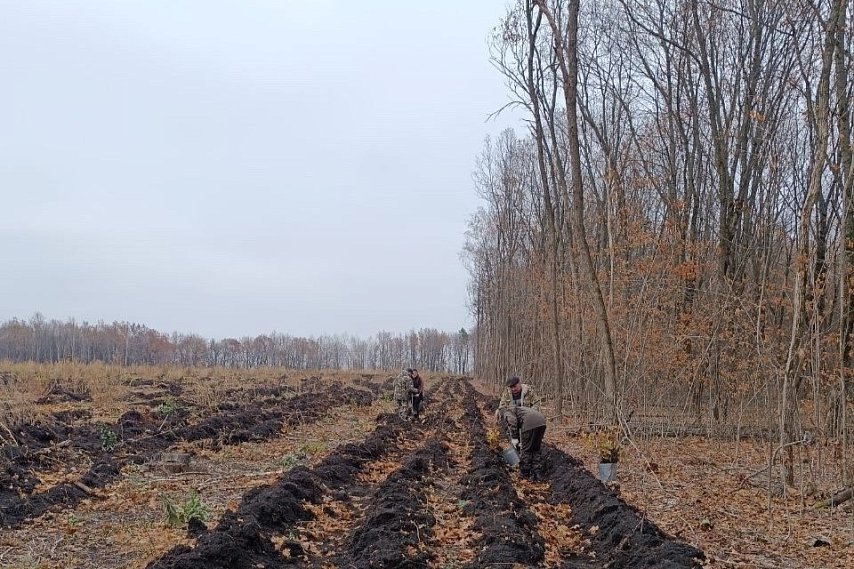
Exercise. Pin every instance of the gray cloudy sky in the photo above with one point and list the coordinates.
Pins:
(236, 167)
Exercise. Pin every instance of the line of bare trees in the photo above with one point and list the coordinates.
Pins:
(42, 340)
(674, 231)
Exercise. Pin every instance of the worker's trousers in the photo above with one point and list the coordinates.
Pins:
(530, 443)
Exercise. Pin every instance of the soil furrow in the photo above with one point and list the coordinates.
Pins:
(562, 538)
(431, 494)
(68, 436)
(603, 531)
(336, 516)
(454, 537)
(243, 537)
(262, 529)
(398, 526)
(393, 527)
(345, 525)
(508, 527)
(45, 449)
(620, 535)
(127, 527)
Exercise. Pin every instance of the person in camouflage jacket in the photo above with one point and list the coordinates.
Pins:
(402, 383)
(518, 394)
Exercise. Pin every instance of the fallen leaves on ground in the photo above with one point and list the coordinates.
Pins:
(561, 536)
(694, 488)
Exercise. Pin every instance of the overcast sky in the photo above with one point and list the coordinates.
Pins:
(236, 167)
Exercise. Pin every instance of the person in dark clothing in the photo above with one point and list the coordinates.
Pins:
(528, 426)
(416, 391)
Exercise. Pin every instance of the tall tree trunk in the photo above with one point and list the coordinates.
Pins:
(552, 261)
(567, 56)
(846, 279)
(795, 356)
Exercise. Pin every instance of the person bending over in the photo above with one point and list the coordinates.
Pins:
(528, 426)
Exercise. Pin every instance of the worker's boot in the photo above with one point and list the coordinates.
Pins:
(525, 467)
(537, 471)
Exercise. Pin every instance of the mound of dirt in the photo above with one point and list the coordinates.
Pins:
(397, 520)
(15, 511)
(508, 527)
(139, 436)
(237, 544)
(40, 434)
(67, 417)
(264, 420)
(15, 479)
(625, 538)
(242, 538)
(59, 394)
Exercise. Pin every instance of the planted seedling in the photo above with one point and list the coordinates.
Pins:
(109, 438)
(169, 406)
(180, 514)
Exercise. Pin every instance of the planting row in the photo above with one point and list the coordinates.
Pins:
(264, 530)
(261, 531)
(616, 533)
(508, 527)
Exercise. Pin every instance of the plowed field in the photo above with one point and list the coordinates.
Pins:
(320, 475)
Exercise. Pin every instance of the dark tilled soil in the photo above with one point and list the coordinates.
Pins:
(261, 422)
(396, 528)
(59, 439)
(41, 434)
(15, 476)
(309, 384)
(18, 461)
(58, 394)
(377, 389)
(105, 470)
(392, 527)
(68, 417)
(508, 527)
(136, 431)
(141, 436)
(241, 540)
(397, 522)
(625, 537)
(259, 392)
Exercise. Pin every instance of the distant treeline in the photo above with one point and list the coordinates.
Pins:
(46, 341)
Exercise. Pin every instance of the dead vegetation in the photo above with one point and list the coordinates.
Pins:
(465, 508)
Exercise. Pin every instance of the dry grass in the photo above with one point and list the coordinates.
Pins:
(109, 385)
(25, 383)
(125, 526)
(16, 407)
